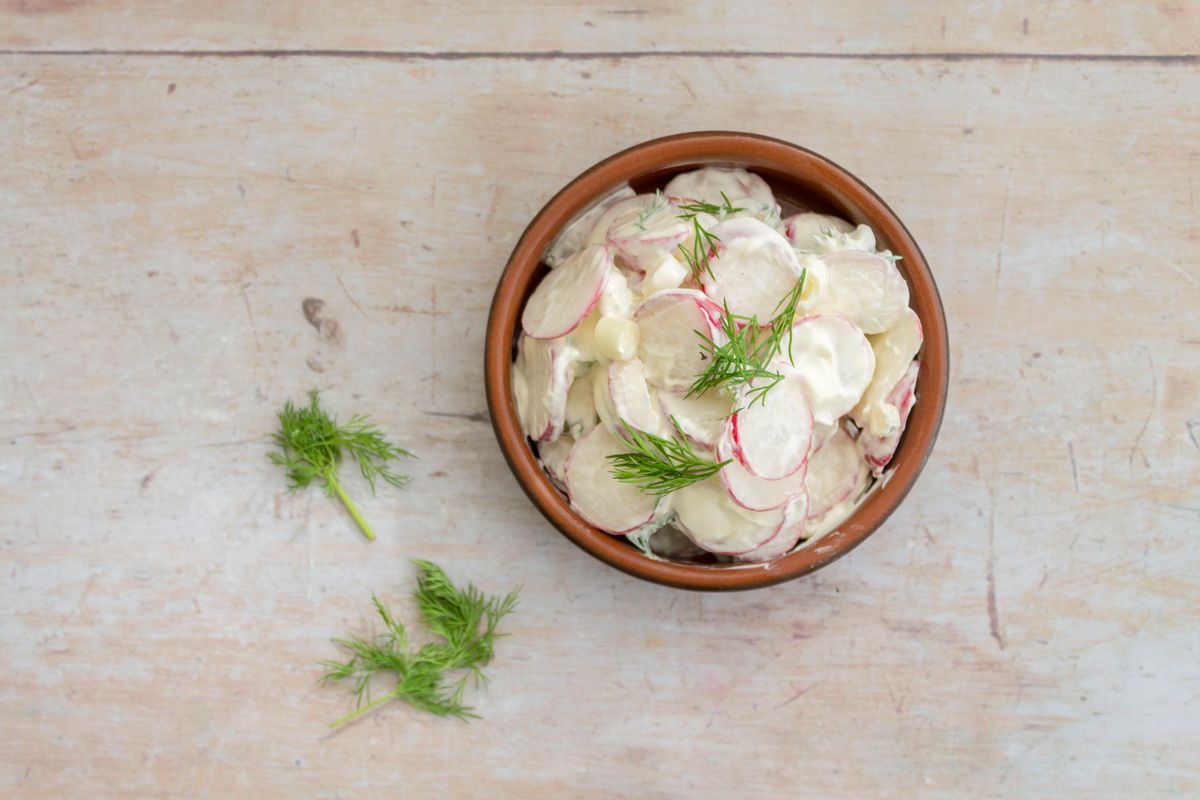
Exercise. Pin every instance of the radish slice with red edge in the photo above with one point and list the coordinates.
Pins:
(878, 450)
(701, 418)
(833, 359)
(771, 438)
(709, 518)
(632, 398)
(668, 344)
(567, 294)
(715, 184)
(789, 535)
(598, 497)
(832, 473)
(643, 237)
(754, 493)
(573, 236)
(752, 269)
(541, 379)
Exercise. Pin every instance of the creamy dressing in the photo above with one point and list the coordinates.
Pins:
(632, 353)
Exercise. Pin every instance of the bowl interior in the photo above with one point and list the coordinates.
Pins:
(802, 181)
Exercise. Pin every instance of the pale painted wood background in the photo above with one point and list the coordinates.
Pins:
(178, 177)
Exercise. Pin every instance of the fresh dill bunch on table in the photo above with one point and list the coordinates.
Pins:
(465, 622)
(312, 445)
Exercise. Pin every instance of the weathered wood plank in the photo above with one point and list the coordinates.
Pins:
(1025, 625)
(864, 26)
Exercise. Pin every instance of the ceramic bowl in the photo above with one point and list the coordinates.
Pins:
(801, 180)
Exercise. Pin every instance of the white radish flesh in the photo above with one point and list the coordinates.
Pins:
(894, 350)
(571, 240)
(861, 238)
(865, 288)
(714, 184)
(833, 359)
(599, 231)
(789, 534)
(803, 229)
(632, 399)
(878, 450)
(597, 496)
(700, 418)
(771, 438)
(752, 270)
(567, 294)
(669, 346)
(754, 493)
(832, 473)
(714, 522)
(820, 524)
(541, 378)
(642, 237)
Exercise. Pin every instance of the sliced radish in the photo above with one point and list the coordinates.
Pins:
(861, 238)
(669, 346)
(599, 231)
(771, 438)
(553, 456)
(710, 519)
(603, 403)
(821, 434)
(597, 496)
(581, 407)
(541, 378)
(803, 229)
(754, 493)
(571, 240)
(632, 397)
(642, 237)
(878, 450)
(700, 418)
(753, 268)
(710, 183)
(832, 473)
(789, 535)
(865, 288)
(833, 359)
(568, 294)
(895, 350)
(820, 524)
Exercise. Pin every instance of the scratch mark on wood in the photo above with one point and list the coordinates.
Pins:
(337, 276)
(1137, 441)
(23, 87)
(799, 694)
(250, 316)
(1192, 425)
(475, 416)
(1003, 231)
(993, 612)
(433, 373)
(147, 478)
(1074, 472)
(170, 88)
(354, 238)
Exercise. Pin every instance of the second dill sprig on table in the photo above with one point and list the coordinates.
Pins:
(744, 358)
(312, 445)
(660, 465)
(464, 619)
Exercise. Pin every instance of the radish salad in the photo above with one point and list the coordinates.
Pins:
(702, 375)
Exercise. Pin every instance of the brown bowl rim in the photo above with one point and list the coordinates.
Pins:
(716, 147)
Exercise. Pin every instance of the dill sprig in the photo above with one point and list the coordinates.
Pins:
(704, 241)
(744, 358)
(312, 445)
(659, 465)
(464, 619)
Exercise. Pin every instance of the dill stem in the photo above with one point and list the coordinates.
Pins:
(358, 712)
(331, 478)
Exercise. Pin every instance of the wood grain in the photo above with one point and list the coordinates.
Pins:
(857, 27)
(1024, 626)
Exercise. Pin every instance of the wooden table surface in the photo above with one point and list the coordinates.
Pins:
(179, 177)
